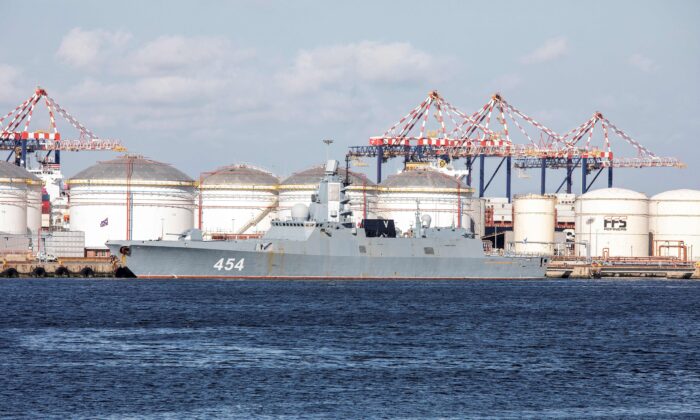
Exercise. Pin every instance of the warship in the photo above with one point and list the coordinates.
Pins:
(320, 241)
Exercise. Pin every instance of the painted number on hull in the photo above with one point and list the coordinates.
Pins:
(230, 264)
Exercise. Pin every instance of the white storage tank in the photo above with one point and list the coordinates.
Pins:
(298, 188)
(130, 197)
(236, 199)
(34, 207)
(534, 222)
(614, 221)
(675, 216)
(15, 183)
(433, 193)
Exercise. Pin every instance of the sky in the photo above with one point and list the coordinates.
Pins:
(204, 84)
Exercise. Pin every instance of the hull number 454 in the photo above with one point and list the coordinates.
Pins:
(229, 264)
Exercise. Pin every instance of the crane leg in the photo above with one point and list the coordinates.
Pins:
(469, 170)
(482, 160)
(380, 156)
(508, 177)
(23, 161)
(543, 173)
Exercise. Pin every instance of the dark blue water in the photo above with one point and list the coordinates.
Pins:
(184, 349)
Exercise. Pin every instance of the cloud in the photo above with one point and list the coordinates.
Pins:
(87, 49)
(551, 49)
(177, 54)
(176, 83)
(369, 62)
(643, 63)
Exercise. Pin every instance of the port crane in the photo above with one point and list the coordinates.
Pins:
(17, 138)
(486, 134)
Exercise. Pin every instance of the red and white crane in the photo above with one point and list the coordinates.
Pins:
(486, 133)
(17, 138)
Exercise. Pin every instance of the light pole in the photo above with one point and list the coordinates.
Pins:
(589, 222)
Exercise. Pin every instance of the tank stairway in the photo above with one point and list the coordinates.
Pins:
(259, 218)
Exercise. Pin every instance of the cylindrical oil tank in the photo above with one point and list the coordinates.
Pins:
(236, 199)
(14, 184)
(674, 216)
(130, 197)
(34, 206)
(614, 221)
(298, 188)
(533, 224)
(443, 197)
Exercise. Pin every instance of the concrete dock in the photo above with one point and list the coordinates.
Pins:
(62, 267)
(671, 268)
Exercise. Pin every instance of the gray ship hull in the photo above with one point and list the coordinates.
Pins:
(343, 256)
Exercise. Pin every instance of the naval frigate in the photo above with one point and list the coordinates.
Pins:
(321, 242)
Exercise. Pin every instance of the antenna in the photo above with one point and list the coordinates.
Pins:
(328, 143)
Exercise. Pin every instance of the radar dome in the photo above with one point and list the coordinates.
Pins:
(300, 212)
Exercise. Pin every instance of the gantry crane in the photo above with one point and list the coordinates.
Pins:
(16, 138)
(472, 136)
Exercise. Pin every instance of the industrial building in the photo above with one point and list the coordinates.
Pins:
(534, 221)
(130, 197)
(236, 200)
(674, 223)
(20, 200)
(614, 222)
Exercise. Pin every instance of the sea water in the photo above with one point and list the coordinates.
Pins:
(81, 348)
